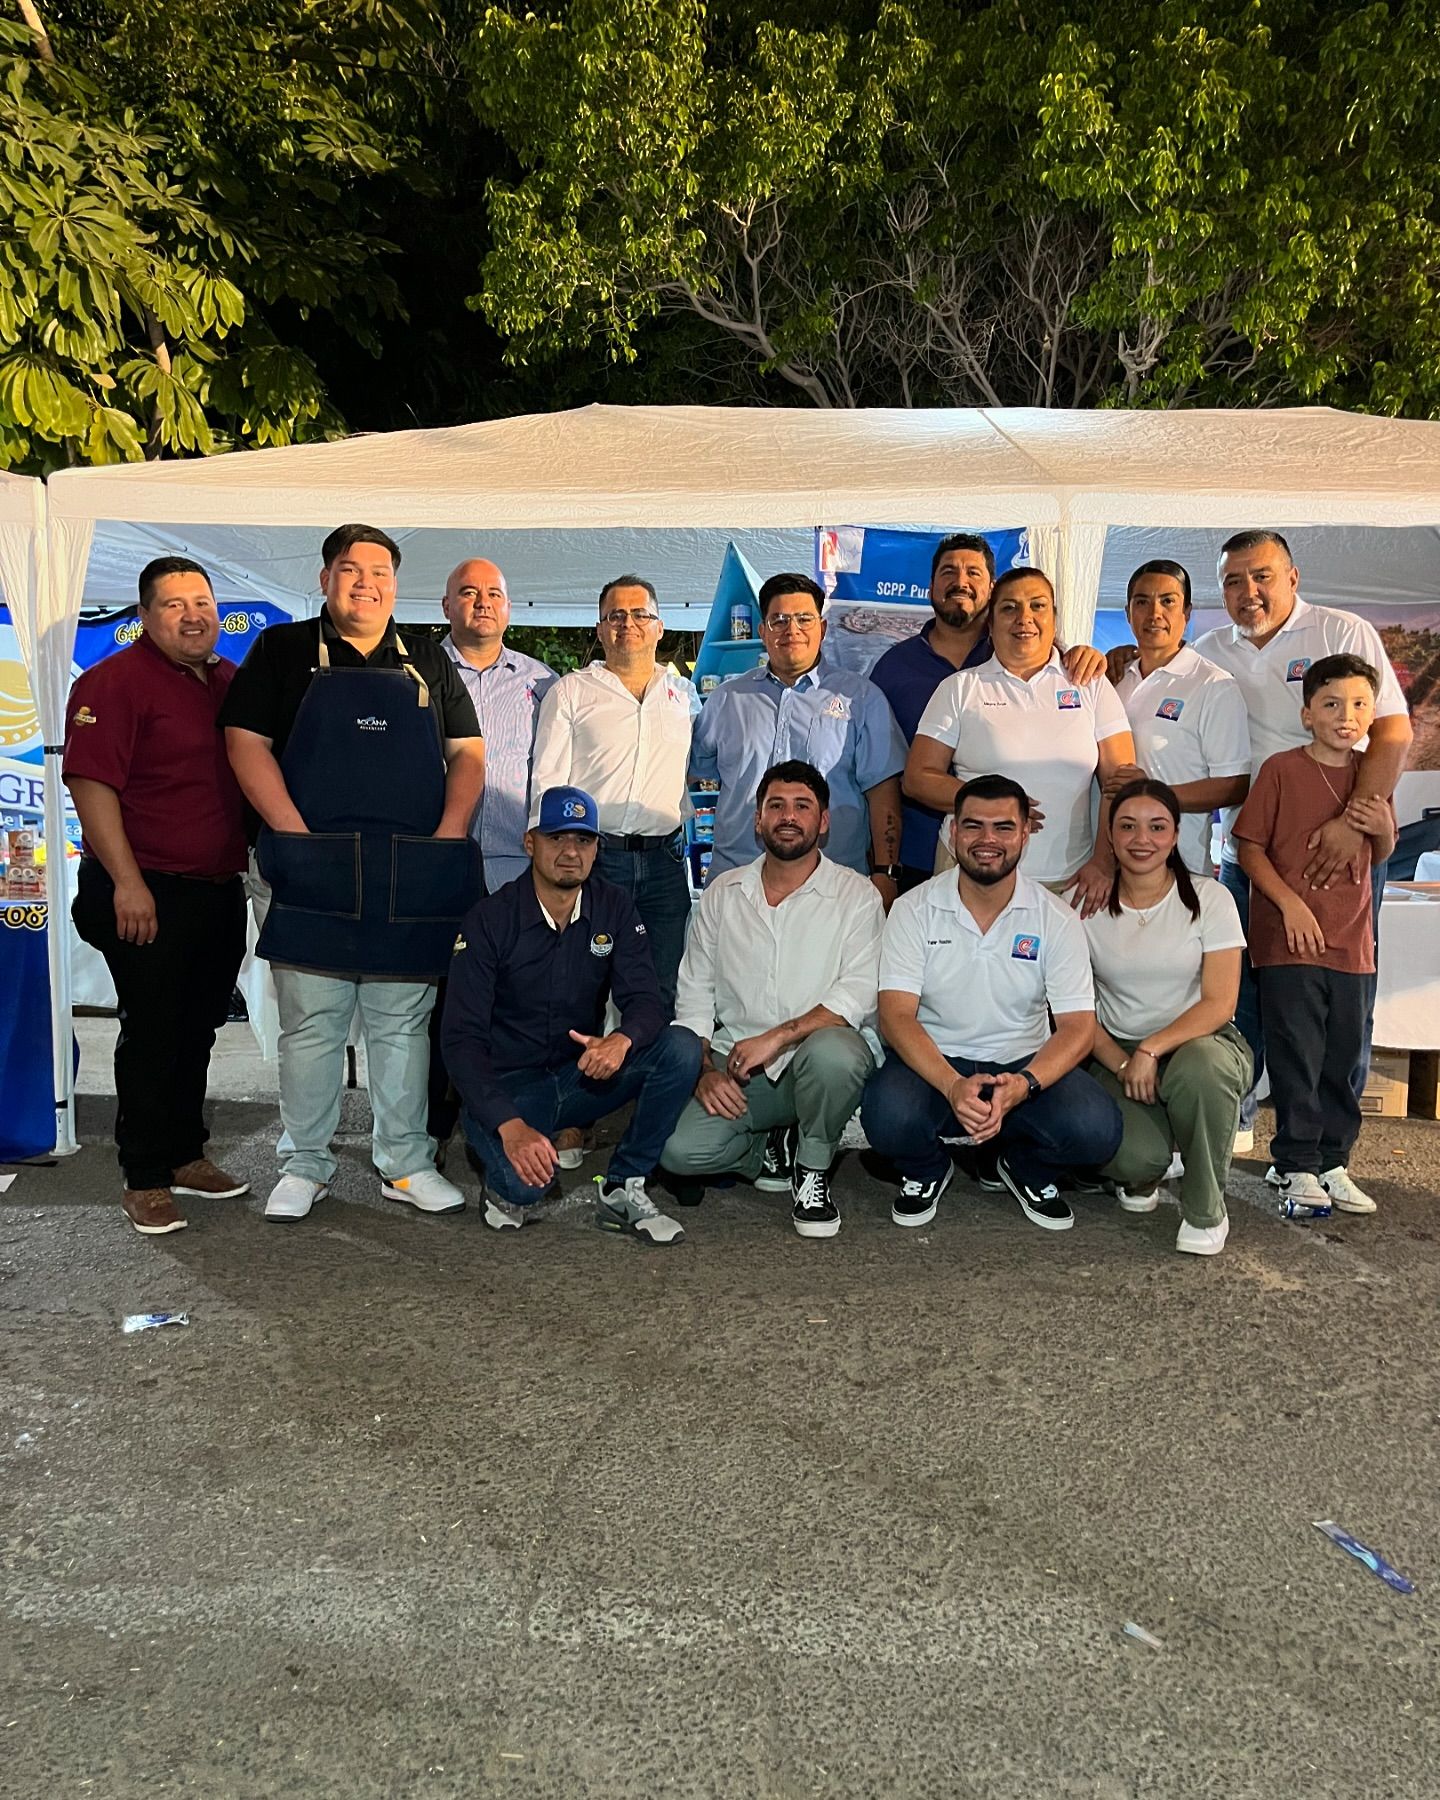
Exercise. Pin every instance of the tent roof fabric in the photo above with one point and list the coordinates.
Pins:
(693, 466)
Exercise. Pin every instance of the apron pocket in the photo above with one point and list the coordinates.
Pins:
(432, 879)
(312, 871)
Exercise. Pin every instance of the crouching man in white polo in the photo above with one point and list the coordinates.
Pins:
(975, 964)
(779, 982)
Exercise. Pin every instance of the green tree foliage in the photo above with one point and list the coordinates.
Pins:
(180, 186)
(1029, 202)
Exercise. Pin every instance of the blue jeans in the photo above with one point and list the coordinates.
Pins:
(1073, 1124)
(655, 880)
(659, 1079)
(1247, 1008)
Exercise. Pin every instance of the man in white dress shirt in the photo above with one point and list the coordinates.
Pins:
(1272, 640)
(779, 983)
(620, 729)
(1186, 713)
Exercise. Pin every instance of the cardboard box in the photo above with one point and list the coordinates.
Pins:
(1387, 1092)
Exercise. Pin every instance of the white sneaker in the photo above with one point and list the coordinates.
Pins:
(1203, 1240)
(500, 1213)
(1137, 1203)
(627, 1207)
(571, 1146)
(292, 1197)
(426, 1190)
(1244, 1141)
(1274, 1177)
(1344, 1193)
(1176, 1171)
(1302, 1197)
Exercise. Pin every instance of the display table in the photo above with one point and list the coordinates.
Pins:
(27, 1085)
(1407, 1003)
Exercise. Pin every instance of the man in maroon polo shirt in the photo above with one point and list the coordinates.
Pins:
(160, 895)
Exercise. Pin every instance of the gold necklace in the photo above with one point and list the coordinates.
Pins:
(1144, 914)
(1334, 795)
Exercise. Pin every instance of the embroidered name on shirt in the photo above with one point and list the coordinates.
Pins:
(1296, 667)
(1026, 948)
(1068, 699)
(1170, 709)
(601, 944)
(373, 723)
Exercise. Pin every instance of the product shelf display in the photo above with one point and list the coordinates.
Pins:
(730, 647)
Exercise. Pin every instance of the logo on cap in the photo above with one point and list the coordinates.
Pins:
(1026, 948)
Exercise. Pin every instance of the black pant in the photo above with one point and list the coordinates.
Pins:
(1314, 1023)
(174, 994)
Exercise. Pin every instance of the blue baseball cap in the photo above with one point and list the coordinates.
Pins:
(567, 809)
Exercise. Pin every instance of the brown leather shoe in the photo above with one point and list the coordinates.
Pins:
(152, 1210)
(202, 1179)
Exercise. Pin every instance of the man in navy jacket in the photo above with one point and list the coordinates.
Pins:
(523, 1034)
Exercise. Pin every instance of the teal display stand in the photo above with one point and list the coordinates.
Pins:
(722, 654)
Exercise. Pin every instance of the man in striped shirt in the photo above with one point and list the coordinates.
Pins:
(506, 687)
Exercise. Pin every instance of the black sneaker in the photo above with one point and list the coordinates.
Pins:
(815, 1214)
(778, 1168)
(916, 1202)
(1042, 1206)
(684, 1190)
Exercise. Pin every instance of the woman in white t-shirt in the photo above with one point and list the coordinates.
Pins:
(1166, 956)
(1021, 714)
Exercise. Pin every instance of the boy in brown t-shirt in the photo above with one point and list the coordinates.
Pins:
(1313, 949)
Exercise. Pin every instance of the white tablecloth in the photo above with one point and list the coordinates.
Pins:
(1407, 1005)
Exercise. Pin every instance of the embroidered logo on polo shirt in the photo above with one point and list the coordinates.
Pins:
(85, 717)
(1026, 947)
(601, 944)
(1170, 709)
(1068, 699)
(837, 707)
(372, 723)
(1296, 667)
(639, 928)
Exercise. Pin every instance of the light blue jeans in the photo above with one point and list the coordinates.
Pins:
(315, 1015)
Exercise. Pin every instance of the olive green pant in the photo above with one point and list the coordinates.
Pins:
(818, 1091)
(1200, 1087)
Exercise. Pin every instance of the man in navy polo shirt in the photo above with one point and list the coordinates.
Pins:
(523, 1033)
(160, 895)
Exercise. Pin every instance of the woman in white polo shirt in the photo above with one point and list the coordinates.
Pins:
(1188, 717)
(1020, 714)
(1165, 951)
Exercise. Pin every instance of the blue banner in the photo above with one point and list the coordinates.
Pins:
(867, 564)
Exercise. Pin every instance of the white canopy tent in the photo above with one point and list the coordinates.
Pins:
(1065, 477)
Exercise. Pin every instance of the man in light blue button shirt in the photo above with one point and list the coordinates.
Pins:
(798, 708)
(507, 688)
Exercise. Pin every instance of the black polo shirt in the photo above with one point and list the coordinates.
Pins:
(266, 693)
(517, 988)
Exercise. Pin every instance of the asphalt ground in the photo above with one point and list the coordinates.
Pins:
(413, 1508)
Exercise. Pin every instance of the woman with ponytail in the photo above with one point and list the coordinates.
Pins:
(1166, 955)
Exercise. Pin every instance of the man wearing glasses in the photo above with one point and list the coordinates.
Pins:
(620, 729)
(799, 709)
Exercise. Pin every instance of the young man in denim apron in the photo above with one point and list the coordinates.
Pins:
(359, 749)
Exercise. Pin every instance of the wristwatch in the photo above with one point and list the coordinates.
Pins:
(891, 871)
(1031, 1082)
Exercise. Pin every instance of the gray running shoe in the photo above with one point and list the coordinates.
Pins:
(625, 1206)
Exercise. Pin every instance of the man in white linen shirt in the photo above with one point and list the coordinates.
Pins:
(621, 730)
(779, 982)
(1272, 639)
(975, 966)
